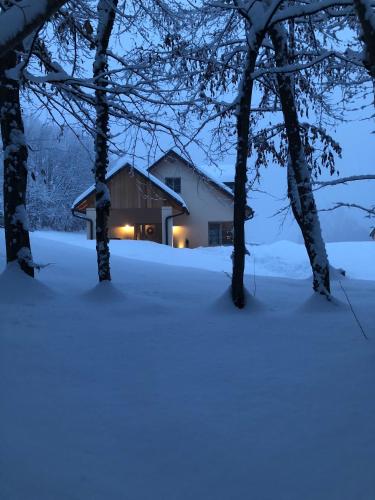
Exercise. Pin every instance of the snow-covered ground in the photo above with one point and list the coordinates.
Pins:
(283, 259)
(155, 388)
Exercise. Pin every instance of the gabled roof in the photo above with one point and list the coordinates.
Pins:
(202, 173)
(118, 167)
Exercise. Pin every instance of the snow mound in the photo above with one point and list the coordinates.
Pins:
(317, 303)
(337, 273)
(224, 303)
(16, 286)
(104, 292)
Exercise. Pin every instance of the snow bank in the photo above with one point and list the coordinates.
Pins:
(17, 287)
(103, 293)
(283, 259)
(223, 305)
(319, 304)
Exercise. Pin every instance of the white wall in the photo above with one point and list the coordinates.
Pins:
(205, 203)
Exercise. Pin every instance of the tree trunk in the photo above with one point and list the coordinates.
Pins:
(366, 19)
(15, 169)
(22, 18)
(299, 178)
(240, 195)
(106, 17)
(293, 195)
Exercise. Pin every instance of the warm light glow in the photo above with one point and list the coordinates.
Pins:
(127, 232)
(179, 236)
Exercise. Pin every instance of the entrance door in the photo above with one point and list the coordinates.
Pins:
(148, 232)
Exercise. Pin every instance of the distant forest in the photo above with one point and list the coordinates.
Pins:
(59, 166)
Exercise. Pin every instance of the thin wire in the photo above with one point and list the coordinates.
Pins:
(255, 283)
(354, 314)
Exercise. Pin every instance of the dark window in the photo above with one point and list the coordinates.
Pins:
(213, 234)
(220, 233)
(230, 185)
(174, 183)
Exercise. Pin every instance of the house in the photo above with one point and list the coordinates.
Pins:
(172, 202)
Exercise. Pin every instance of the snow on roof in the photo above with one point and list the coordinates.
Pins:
(205, 172)
(121, 164)
(223, 172)
(216, 177)
(82, 196)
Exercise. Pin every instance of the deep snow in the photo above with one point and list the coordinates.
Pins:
(283, 259)
(153, 387)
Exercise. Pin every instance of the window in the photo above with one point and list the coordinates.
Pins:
(174, 183)
(220, 233)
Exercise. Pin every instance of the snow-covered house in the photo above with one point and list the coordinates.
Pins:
(172, 202)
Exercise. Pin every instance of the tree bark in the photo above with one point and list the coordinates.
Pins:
(106, 17)
(240, 195)
(366, 19)
(299, 178)
(293, 195)
(22, 18)
(15, 169)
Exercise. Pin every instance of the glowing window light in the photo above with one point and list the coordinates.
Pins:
(128, 231)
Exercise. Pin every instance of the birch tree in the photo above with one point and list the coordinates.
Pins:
(299, 177)
(15, 166)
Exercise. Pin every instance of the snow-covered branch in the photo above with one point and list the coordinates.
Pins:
(369, 211)
(20, 20)
(343, 180)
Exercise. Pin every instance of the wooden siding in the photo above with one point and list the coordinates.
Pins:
(131, 216)
(129, 189)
